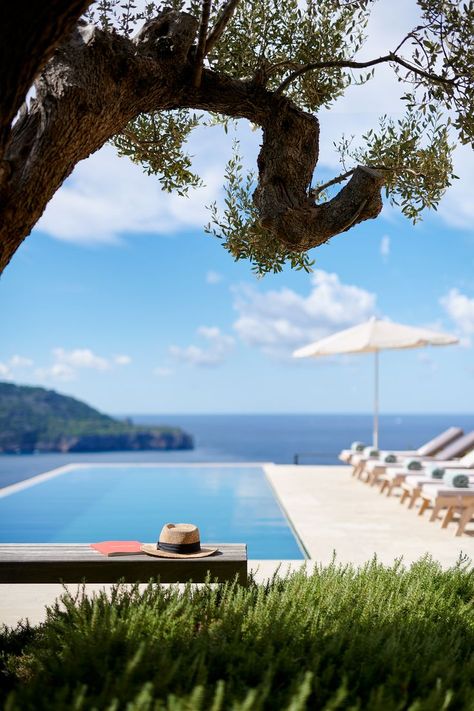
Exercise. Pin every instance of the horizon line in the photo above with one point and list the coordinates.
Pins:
(285, 414)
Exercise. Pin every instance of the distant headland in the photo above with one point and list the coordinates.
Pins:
(34, 419)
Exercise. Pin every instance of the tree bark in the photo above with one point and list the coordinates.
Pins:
(29, 33)
(97, 82)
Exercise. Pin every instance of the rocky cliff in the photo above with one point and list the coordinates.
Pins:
(35, 419)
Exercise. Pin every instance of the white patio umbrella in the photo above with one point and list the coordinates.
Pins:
(371, 337)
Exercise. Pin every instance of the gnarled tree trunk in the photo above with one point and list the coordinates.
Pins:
(97, 81)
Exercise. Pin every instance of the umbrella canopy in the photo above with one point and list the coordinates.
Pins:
(371, 337)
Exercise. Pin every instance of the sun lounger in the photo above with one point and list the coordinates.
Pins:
(374, 468)
(445, 497)
(346, 454)
(359, 460)
(395, 476)
(412, 486)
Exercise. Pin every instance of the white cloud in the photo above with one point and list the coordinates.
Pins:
(213, 277)
(58, 371)
(13, 363)
(277, 322)
(122, 359)
(385, 247)
(66, 364)
(107, 197)
(460, 308)
(5, 371)
(219, 347)
(18, 361)
(81, 358)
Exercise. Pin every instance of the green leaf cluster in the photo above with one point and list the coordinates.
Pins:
(414, 153)
(265, 43)
(156, 142)
(443, 44)
(239, 229)
(373, 638)
(268, 39)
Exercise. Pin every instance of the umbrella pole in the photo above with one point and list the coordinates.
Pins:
(376, 400)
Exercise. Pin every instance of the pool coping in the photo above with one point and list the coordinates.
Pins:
(304, 550)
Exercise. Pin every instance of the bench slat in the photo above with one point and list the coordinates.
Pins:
(74, 562)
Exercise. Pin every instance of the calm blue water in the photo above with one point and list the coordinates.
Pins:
(84, 505)
(256, 438)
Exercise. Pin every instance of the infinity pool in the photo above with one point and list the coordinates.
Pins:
(89, 503)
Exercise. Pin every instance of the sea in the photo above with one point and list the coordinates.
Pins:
(282, 439)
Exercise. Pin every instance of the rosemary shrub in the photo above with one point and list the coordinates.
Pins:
(373, 638)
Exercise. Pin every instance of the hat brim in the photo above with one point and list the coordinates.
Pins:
(151, 549)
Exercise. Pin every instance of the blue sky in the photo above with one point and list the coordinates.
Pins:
(119, 298)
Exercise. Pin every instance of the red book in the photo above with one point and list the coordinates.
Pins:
(110, 548)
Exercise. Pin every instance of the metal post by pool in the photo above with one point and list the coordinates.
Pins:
(376, 400)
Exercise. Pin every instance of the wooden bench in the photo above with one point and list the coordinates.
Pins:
(77, 562)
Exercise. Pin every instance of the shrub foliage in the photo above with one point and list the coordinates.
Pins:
(372, 638)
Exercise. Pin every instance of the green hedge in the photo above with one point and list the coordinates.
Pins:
(369, 638)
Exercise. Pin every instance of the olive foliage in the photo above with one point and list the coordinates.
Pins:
(291, 59)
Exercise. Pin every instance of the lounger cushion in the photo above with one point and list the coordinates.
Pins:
(432, 491)
(458, 448)
(415, 481)
(439, 442)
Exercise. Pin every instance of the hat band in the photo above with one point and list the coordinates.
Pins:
(179, 547)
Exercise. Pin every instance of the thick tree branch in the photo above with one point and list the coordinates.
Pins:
(92, 87)
(201, 47)
(381, 168)
(349, 64)
(99, 81)
(334, 181)
(29, 33)
(223, 20)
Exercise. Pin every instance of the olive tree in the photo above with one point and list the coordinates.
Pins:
(144, 79)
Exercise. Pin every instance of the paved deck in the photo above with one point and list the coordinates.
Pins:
(330, 511)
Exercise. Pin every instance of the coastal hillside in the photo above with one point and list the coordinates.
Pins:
(35, 419)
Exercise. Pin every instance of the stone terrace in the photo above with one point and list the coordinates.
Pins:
(330, 511)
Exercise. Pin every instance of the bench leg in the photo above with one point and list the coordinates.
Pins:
(424, 505)
(404, 496)
(414, 496)
(448, 517)
(436, 509)
(374, 479)
(392, 486)
(466, 516)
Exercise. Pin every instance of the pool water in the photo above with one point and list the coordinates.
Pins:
(90, 503)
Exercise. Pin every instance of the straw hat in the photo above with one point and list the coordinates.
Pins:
(178, 540)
